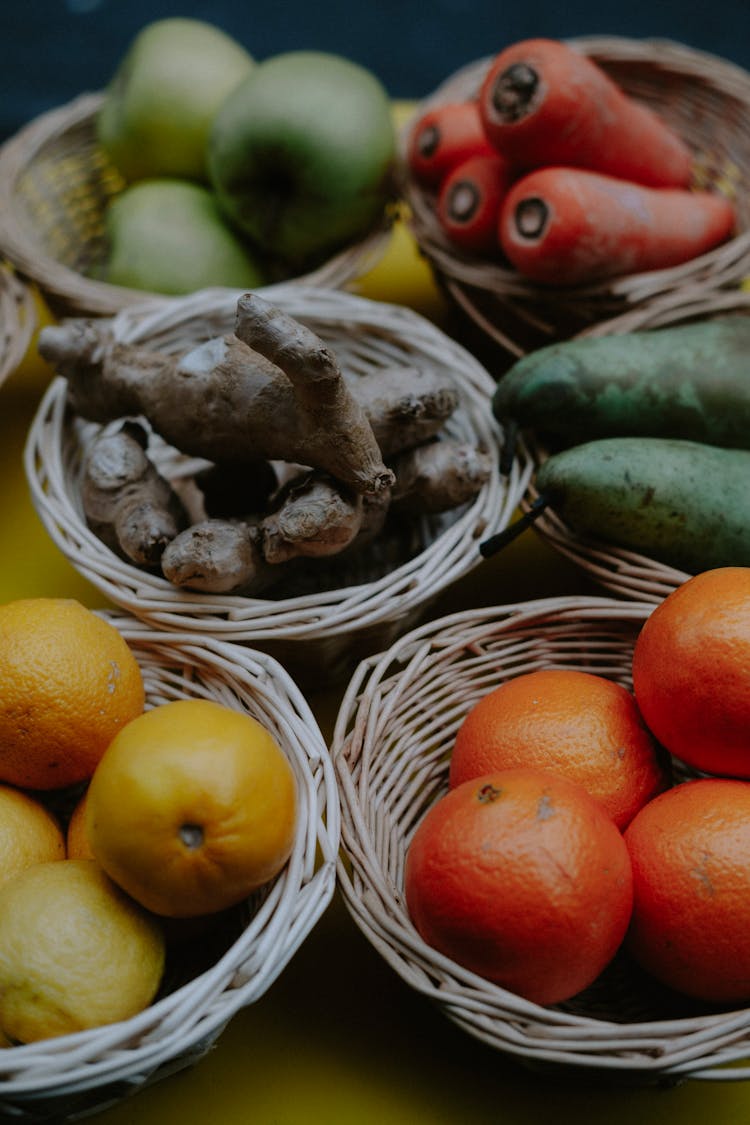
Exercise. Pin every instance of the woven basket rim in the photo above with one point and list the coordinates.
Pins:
(82, 295)
(388, 685)
(18, 320)
(467, 277)
(628, 573)
(178, 1029)
(339, 612)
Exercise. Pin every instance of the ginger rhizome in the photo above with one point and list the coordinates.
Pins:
(127, 502)
(224, 399)
(316, 519)
(300, 460)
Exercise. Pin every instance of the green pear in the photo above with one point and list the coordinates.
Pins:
(158, 108)
(301, 154)
(169, 236)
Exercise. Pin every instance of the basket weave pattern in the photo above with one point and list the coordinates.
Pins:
(706, 100)
(324, 633)
(55, 184)
(88, 1070)
(391, 749)
(17, 321)
(629, 573)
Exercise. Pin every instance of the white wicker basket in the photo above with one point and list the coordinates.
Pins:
(391, 749)
(17, 321)
(55, 185)
(77, 1074)
(620, 571)
(704, 99)
(317, 636)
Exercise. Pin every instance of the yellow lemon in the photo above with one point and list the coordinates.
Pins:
(29, 833)
(75, 952)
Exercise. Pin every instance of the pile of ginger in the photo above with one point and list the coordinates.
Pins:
(298, 461)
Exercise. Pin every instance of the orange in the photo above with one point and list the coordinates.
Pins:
(76, 841)
(691, 671)
(69, 683)
(581, 725)
(523, 878)
(175, 930)
(29, 833)
(691, 877)
(192, 807)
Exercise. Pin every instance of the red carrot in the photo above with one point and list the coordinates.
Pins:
(569, 226)
(542, 102)
(468, 206)
(444, 137)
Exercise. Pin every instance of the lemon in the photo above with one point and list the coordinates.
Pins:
(75, 952)
(29, 833)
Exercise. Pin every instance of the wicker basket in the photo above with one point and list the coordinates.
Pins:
(318, 636)
(628, 573)
(55, 183)
(391, 748)
(17, 321)
(210, 981)
(706, 100)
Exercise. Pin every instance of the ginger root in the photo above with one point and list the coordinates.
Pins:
(438, 476)
(405, 406)
(257, 404)
(218, 557)
(126, 501)
(316, 519)
(224, 400)
(228, 402)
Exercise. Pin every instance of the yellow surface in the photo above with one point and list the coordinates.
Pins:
(339, 1039)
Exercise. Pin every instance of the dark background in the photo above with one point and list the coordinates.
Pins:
(53, 50)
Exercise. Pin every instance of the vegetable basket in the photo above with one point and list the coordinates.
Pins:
(705, 99)
(233, 964)
(391, 749)
(55, 184)
(627, 573)
(319, 635)
(17, 321)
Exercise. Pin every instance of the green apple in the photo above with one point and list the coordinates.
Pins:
(158, 108)
(169, 236)
(301, 154)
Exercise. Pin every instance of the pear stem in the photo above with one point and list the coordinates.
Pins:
(495, 543)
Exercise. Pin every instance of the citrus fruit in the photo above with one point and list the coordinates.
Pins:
(175, 930)
(523, 878)
(576, 723)
(75, 952)
(29, 833)
(689, 849)
(69, 683)
(691, 671)
(76, 841)
(192, 807)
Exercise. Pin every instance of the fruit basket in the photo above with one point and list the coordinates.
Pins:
(17, 321)
(626, 573)
(391, 747)
(55, 184)
(233, 964)
(316, 635)
(705, 100)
